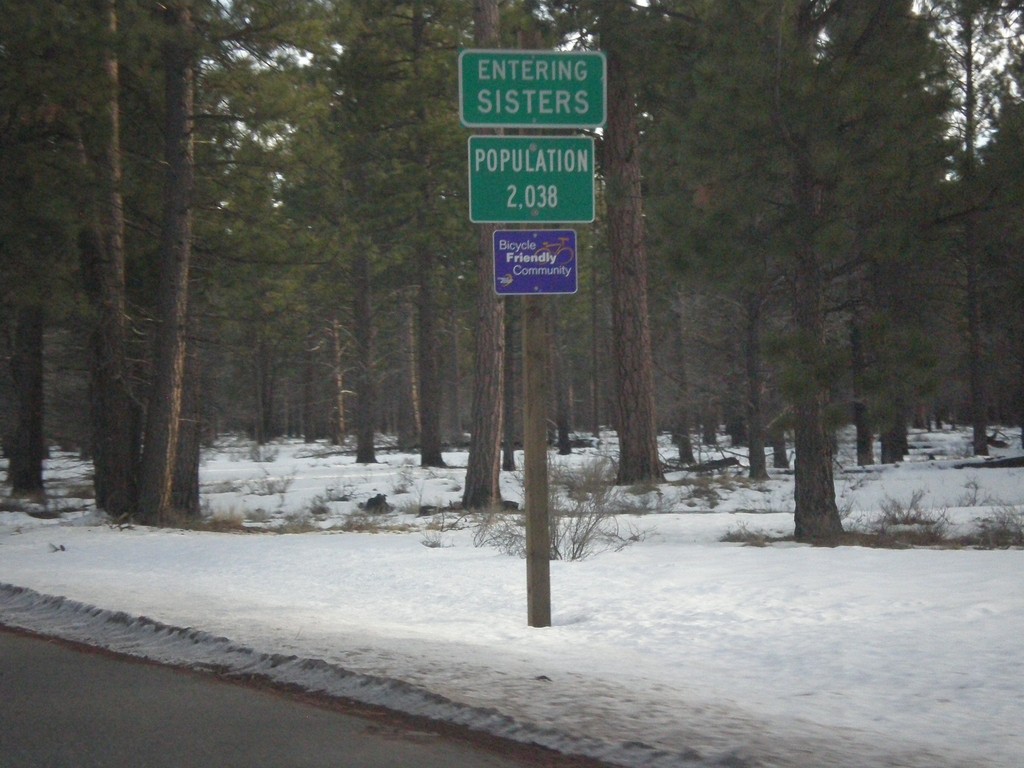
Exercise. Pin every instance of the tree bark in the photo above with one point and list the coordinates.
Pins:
(631, 342)
(511, 369)
(780, 455)
(816, 515)
(681, 405)
(483, 488)
(455, 429)
(429, 370)
(310, 421)
(114, 414)
(894, 438)
(758, 466)
(165, 403)
(862, 425)
(366, 378)
(408, 401)
(975, 343)
(560, 378)
(26, 447)
(185, 495)
(971, 244)
(709, 423)
(338, 427)
(264, 381)
(595, 361)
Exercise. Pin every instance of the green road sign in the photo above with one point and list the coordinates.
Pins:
(532, 89)
(537, 179)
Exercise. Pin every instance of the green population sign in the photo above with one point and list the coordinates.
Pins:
(541, 179)
(532, 89)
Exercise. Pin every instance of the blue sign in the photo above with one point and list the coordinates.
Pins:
(534, 261)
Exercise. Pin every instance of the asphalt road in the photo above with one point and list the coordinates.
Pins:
(62, 706)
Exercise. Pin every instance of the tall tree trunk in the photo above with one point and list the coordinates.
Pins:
(561, 380)
(631, 342)
(709, 422)
(861, 422)
(780, 455)
(185, 494)
(310, 422)
(455, 428)
(114, 414)
(595, 363)
(366, 377)
(975, 344)
(971, 244)
(510, 421)
(758, 466)
(1020, 394)
(816, 516)
(894, 437)
(681, 407)
(338, 427)
(264, 388)
(483, 488)
(429, 369)
(408, 402)
(26, 447)
(165, 402)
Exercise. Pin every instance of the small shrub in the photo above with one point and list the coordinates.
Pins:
(643, 488)
(583, 521)
(741, 534)
(972, 496)
(584, 530)
(339, 493)
(297, 522)
(229, 523)
(318, 506)
(702, 491)
(403, 482)
(448, 519)
(269, 485)
(80, 491)
(433, 539)
(583, 480)
(225, 486)
(1004, 528)
(9, 504)
(360, 522)
(895, 512)
(263, 454)
(504, 531)
(908, 524)
(259, 516)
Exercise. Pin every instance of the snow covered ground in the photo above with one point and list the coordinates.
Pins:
(679, 649)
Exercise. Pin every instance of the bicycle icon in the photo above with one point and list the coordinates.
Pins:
(560, 251)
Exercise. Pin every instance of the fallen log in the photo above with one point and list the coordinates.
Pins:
(1007, 463)
(713, 466)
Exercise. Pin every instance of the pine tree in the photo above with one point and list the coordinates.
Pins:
(482, 487)
(164, 411)
(800, 124)
(49, 79)
(976, 34)
(634, 365)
